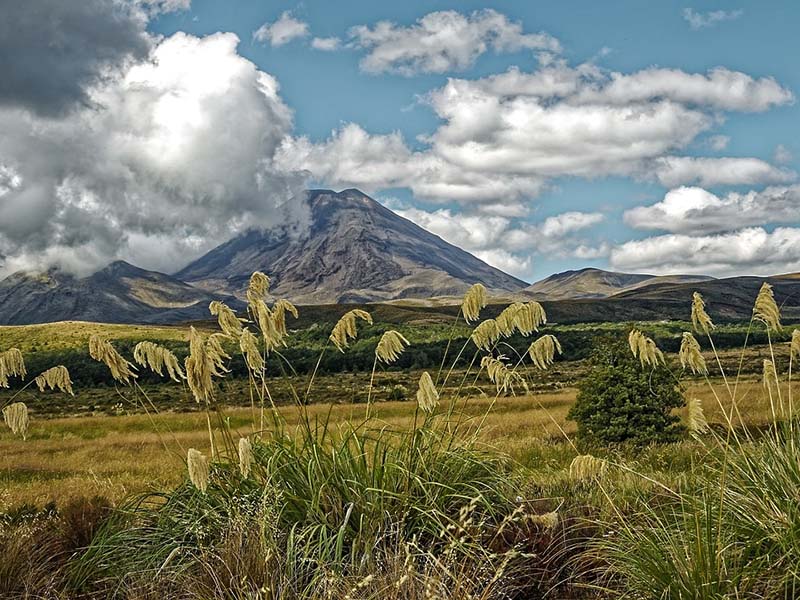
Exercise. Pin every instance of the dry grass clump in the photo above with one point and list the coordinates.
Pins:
(390, 346)
(55, 378)
(427, 396)
(158, 358)
(12, 364)
(501, 375)
(16, 417)
(474, 300)
(103, 351)
(345, 329)
(199, 469)
(543, 351)
(645, 349)
(691, 356)
(766, 310)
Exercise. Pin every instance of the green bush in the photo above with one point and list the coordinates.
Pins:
(621, 401)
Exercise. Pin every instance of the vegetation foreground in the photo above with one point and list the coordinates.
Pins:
(643, 483)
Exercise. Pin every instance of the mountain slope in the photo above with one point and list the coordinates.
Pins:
(119, 293)
(354, 251)
(597, 283)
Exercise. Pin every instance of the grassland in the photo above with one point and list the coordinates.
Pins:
(113, 456)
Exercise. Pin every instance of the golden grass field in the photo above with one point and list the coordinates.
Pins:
(112, 456)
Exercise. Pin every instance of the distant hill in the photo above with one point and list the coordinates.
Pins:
(119, 293)
(597, 283)
(354, 251)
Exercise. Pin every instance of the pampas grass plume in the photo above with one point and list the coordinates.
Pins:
(427, 396)
(543, 351)
(504, 378)
(12, 364)
(16, 417)
(691, 356)
(157, 358)
(103, 351)
(55, 378)
(474, 300)
(345, 328)
(586, 466)
(245, 456)
(486, 334)
(696, 419)
(390, 346)
(766, 310)
(199, 469)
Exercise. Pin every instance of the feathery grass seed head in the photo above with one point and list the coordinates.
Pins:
(504, 378)
(12, 364)
(245, 456)
(103, 351)
(157, 358)
(645, 349)
(55, 378)
(690, 355)
(229, 323)
(695, 417)
(543, 351)
(700, 319)
(199, 469)
(585, 467)
(474, 300)
(16, 417)
(345, 328)
(279, 311)
(766, 310)
(205, 361)
(486, 334)
(390, 346)
(258, 286)
(769, 374)
(248, 344)
(427, 396)
(794, 345)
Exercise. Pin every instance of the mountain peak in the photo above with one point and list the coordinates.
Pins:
(356, 250)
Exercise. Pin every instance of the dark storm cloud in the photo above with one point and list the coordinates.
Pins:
(51, 51)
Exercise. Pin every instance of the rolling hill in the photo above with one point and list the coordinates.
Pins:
(119, 293)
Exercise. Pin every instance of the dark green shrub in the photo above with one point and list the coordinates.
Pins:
(621, 401)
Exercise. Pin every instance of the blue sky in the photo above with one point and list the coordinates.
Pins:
(657, 137)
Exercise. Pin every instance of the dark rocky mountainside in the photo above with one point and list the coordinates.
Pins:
(354, 251)
(119, 293)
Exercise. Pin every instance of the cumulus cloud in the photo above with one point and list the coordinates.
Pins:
(502, 138)
(504, 242)
(175, 156)
(699, 20)
(673, 171)
(282, 31)
(443, 41)
(695, 210)
(54, 51)
(328, 44)
(753, 251)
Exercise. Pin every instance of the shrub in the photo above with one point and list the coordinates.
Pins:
(621, 401)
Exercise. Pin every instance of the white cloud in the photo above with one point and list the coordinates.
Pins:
(443, 41)
(751, 251)
(695, 210)
(504, 242)
(174, 157)
(328, 44)
(503, 138)
(282, 31)
(673, 171)
(698, 20)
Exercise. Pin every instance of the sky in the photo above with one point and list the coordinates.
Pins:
(540, 136)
